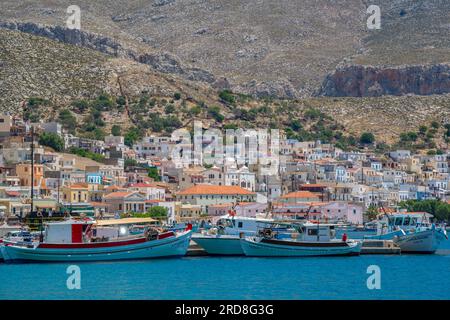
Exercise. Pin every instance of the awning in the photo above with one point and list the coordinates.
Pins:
(110, 222)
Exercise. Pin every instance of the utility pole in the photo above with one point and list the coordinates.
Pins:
(59, 177)
(32, 168)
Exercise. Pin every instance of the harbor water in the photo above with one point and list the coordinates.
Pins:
(401, 277)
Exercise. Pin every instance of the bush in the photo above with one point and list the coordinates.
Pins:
(170, 108)
(116, 130)
(227, 96)
(215, 113)
(195, 111)
(177, 96)
(87, 154)
(367, 138)
(435, 125)
(313, 114)
(52, 140)
(80, 105)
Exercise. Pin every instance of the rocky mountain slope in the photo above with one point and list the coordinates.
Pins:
(284, 48)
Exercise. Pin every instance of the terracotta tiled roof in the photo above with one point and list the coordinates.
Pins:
(112, 188)
(144, 185)
(300, 194)
(115, 195)
(13, 193)
(153, 201)
(79, 186)
(213, 189)
(221, 205)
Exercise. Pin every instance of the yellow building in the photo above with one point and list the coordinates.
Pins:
(76, 193)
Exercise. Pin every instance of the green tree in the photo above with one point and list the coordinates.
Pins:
(130, 163)
(52, 140)
(440, 210)
(158, 212)
(116, 130)
(132, 135)
(367, 138)
(154, 174)
(295, 125)
(372, 212)
(103, 103)
(67, 120)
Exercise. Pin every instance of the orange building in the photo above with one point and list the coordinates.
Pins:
(23, 171)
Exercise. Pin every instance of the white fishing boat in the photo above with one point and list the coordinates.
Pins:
(224, 238)
(411, 231)
(312, 239)
(88, 240)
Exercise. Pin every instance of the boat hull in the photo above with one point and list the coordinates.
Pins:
(219, 245)
(426, 241)
(167, 247)
(255, 248)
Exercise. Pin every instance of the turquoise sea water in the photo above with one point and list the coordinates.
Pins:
(402, 277)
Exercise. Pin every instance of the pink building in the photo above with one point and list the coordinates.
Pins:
(250, 209)
(331, 211)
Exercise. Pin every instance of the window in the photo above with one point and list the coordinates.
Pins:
(398, 221)
(312, 232)
(406, 221)
(240, 224)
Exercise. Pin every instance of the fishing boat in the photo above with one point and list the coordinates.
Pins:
(413, 232)
(312, 239)
(90, 240)
(224, 238)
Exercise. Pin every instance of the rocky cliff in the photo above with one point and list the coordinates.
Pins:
(162, 62)
(368, 81)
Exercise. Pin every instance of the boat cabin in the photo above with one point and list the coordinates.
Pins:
(317, 232)
(404, 220)
(233, 225)
(69, 231)
(88, 230)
